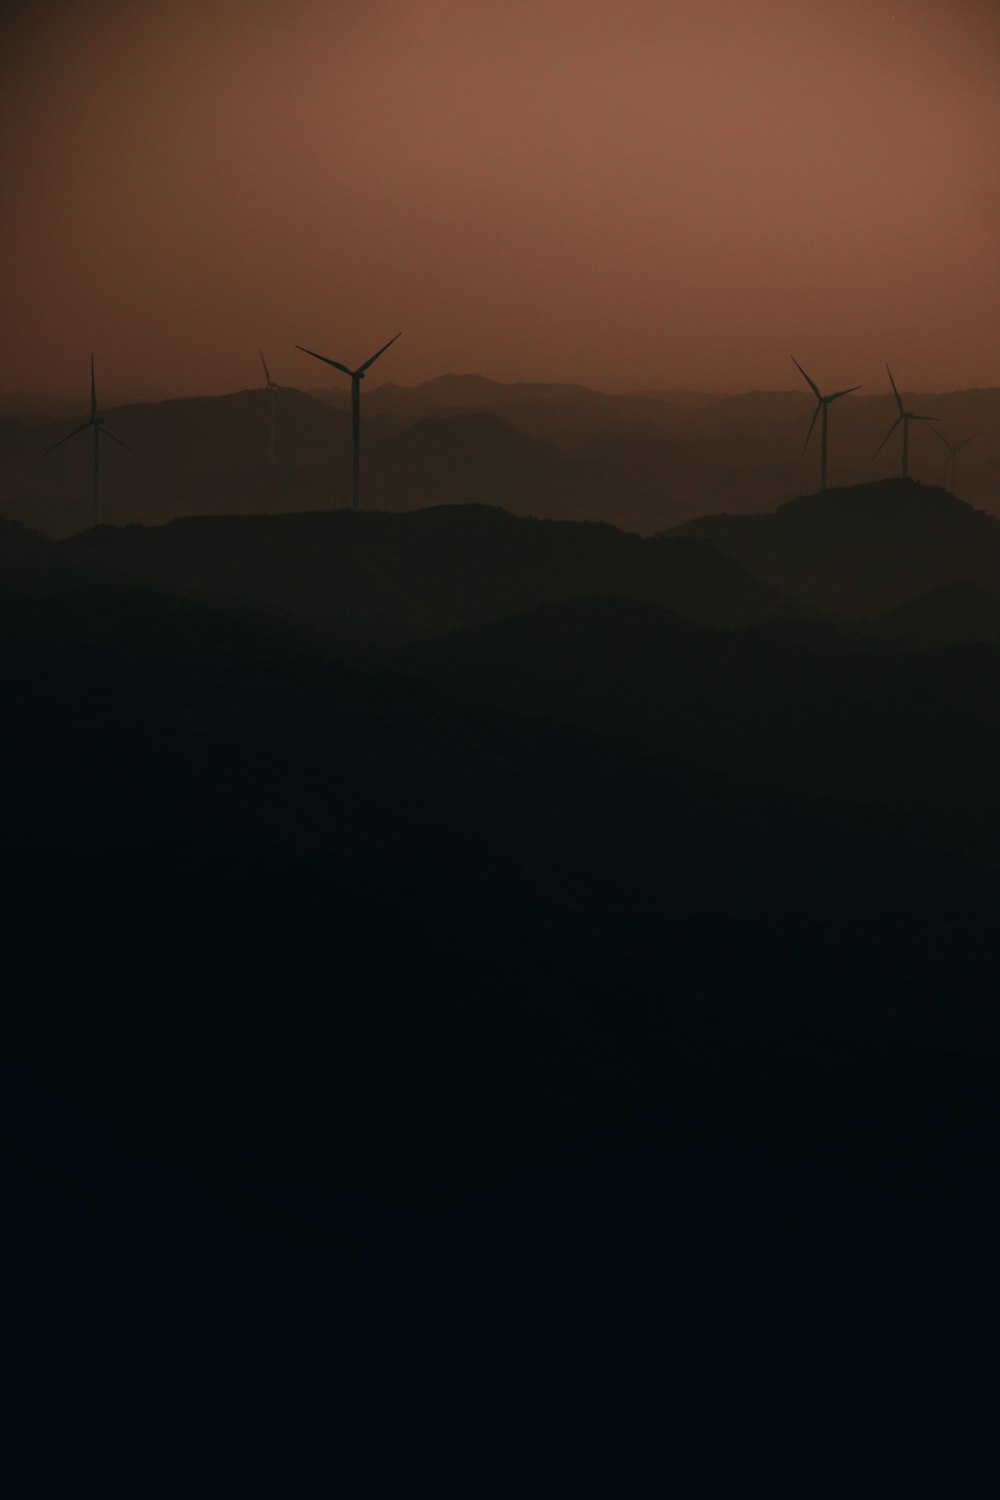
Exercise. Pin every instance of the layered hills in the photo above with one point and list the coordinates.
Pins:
(446, 932)
(644, 461)
(800, 708)
(374, 577)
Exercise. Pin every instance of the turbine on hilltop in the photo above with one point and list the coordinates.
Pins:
(97, 423)
(823, 404)
(951, 465)
(906, 417)
(356, 378)
(271, 386)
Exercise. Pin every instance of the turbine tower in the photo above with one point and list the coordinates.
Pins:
(97, 423)
(271, 386)
(906, 417)
(954, 449)
(356, 378)
(823, 404)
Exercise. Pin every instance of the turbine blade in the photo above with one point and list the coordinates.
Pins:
(939, 434)
(970, 439)
(888, 435)
(334, 362)
(810, 383)
(849, 392)
(812, 424)
(916, 417)
(117, 440)
(267, 373)
(93, 391)
(361, 368)
(82, 428)
(899, 399)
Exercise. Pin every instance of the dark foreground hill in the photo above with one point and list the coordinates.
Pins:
(955, 612)
(792, 706)
(19, 544)
(379, 578)
(396, 1087)
(862, 550)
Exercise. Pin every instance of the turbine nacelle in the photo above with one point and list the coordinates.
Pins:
(904, 419)
(356, 377)
(95, 422)
(823, 404)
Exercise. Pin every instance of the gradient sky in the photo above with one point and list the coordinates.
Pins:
(625, 193)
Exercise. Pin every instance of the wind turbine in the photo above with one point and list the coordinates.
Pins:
(954, 449)
(906, 417)
(97, 423)
(356, 378)
(823, 404)
(270, 386)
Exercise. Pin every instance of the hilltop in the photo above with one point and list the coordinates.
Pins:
(375, 577)
(864, 549)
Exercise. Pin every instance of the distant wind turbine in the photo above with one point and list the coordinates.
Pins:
(906, 417)
(954, 449)
(270, 386)
(97, 423)
(356, 378)
(823, 404)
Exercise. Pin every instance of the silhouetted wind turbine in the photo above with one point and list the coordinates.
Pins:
(97, 423)
(954, 449)
(270, 386)
(823, 404)
(356, 378)
(906, 417)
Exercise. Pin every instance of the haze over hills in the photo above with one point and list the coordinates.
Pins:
(642, 461)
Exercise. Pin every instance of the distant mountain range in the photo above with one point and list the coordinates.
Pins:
(643, 461)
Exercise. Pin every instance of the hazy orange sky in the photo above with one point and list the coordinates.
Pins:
(625, 193)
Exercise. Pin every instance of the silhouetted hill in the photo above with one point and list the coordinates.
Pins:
(382, 578)
(801, 707)
(864, 549)
(463, 390)
(18, 543)
(950, 614)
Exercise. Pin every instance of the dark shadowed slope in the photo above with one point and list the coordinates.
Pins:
(865, 549)
(950, 614)
(376, 577)
(19, 544)
(793, 706)
(375, 1065)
